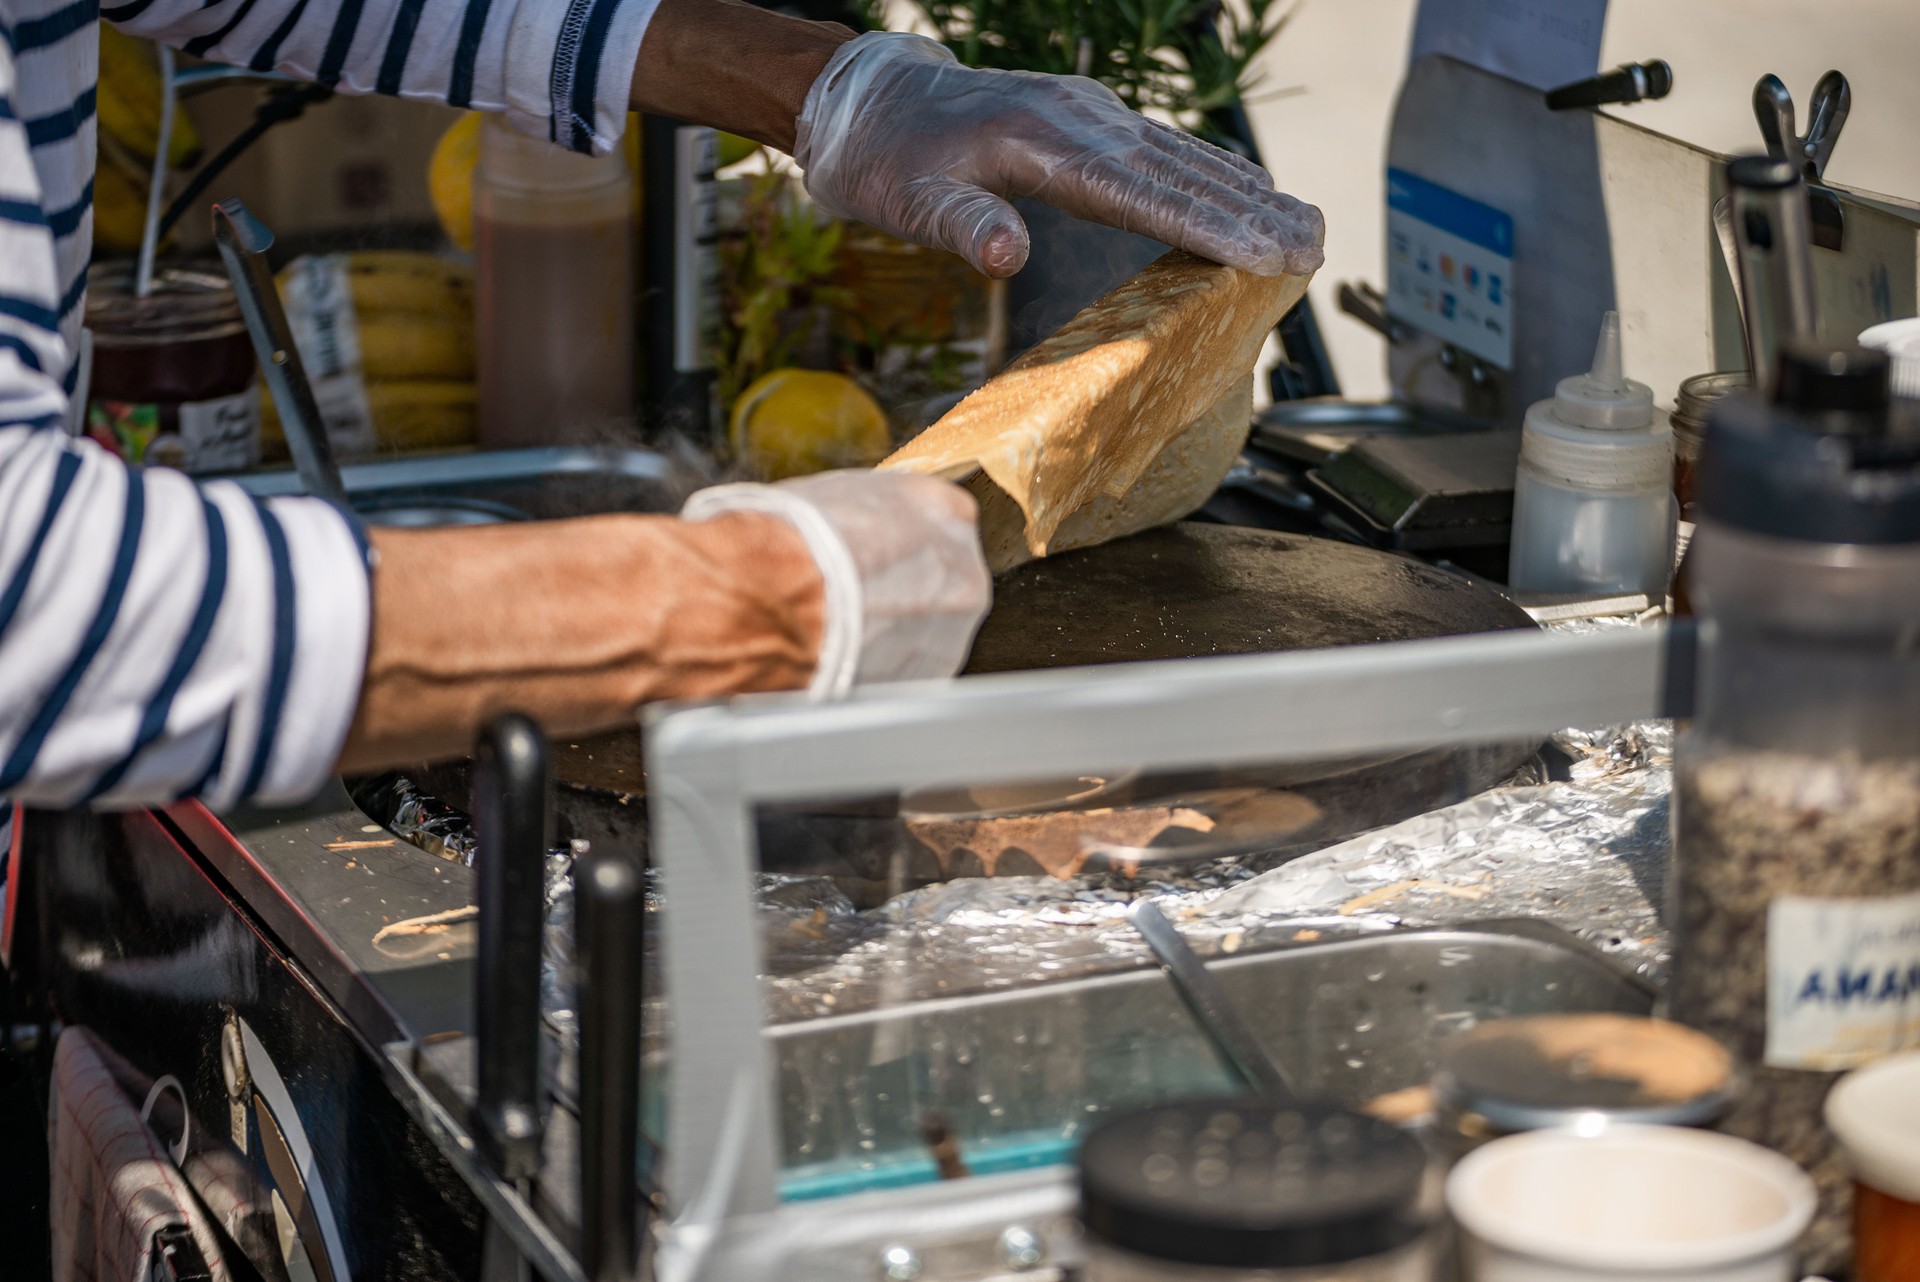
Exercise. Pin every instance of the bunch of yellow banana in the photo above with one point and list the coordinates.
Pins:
(412, 414)
(414, 315)
(128, 109)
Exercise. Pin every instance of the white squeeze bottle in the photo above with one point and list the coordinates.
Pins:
(1593, 508)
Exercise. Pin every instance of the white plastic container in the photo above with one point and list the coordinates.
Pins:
(1899, 339)
(1646, 1203)
(1593, 509)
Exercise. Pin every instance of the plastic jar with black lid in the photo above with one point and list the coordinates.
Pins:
(1795, 892)
(1233, 1190)
(173, 373)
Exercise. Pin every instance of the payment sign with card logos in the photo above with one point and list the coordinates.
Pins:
(1450, 267)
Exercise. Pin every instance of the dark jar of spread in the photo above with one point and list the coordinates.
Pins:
(173, 373)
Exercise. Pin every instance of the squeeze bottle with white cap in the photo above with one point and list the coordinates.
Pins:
(1593, 508)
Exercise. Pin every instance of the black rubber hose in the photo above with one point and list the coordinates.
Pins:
(280, 106)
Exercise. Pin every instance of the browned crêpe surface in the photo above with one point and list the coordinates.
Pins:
(1179, 481)
(1060, 842)
(1086, 414)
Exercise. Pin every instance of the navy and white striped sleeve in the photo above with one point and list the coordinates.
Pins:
(561, 69)
(157, 639)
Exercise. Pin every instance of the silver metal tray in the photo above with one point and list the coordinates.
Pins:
(1016, 1076)
(547, 483)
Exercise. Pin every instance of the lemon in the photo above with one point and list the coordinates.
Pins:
(734, 149)
(450, 178)
(795, 421)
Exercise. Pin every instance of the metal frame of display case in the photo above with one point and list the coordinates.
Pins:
(709, 768)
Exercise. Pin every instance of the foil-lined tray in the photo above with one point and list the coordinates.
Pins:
(1587, 853)
(1583, 846)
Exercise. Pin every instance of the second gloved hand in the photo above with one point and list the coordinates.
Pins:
(897, 134)
(905, 579)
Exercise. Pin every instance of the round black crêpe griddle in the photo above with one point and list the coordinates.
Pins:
(1190, 590)
(1183, 591)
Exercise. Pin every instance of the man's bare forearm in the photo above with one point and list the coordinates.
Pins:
(576, 623)
(732, 66)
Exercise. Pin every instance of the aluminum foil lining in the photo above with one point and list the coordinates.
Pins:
(1587, 853)
(418, 819)
(1583, 845)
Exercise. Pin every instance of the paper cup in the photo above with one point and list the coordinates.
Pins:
(1875, 1114)
(1647, 1203)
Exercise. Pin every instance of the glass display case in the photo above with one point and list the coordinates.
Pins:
(839, 1042)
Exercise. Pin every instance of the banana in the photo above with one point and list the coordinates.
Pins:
(119, 202)
(418, 414)
(414, 347)
(408, 414)
(128, 101)
(405, 282)
(450, 179)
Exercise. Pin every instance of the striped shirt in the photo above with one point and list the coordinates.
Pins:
(161, 639)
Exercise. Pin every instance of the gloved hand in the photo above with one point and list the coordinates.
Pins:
(906, 581)
(897, 134)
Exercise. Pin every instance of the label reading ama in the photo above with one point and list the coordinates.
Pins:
(1843, 980)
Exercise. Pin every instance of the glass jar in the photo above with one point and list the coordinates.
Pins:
(1233, 1190)
(173, 373)
(1696, 400)
(1795, 893)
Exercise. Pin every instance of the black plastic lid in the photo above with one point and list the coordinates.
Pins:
(1816, 378)
(1235, 1183)
(1832, 458)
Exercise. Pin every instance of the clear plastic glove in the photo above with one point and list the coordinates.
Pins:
(897, 134)
(906, 580)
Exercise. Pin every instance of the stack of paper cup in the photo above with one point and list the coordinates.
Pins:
(1901, 340)
(1645, 1203)
(1875, 1114)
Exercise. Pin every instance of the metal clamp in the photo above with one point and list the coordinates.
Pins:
(1826, 116)
(1365, 304)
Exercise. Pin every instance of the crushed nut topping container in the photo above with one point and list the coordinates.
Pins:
(1232, 1190)
(1543, 1072)
(1795, 895)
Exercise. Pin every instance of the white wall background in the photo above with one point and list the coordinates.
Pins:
(1327, 143)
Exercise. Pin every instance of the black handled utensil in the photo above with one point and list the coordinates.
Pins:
(1630, 82)
(511, 816)
(609, 893)
(1773, 247)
